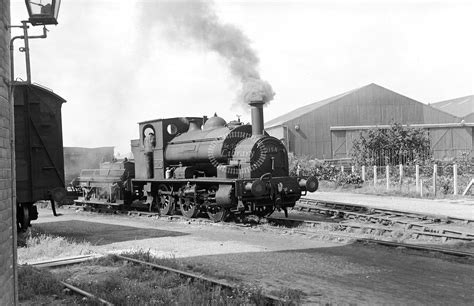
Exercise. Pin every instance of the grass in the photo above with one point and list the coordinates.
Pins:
(124, 283)
(35, 246)
(41, 287)
(32, 282)
(131, 284)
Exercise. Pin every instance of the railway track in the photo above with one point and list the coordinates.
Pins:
(269, 299)
(384, 220)
(349, 217)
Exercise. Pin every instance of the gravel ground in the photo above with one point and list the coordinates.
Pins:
(326, 271)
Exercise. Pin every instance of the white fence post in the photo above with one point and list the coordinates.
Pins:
(417, 177)
(363, 173)
(352, 169)
(421, 188)
(455, 179)
(401, 173)
(387, 175)
(435, 174)
(375, 176)
(342, 168)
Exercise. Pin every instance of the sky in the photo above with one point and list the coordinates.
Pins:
(121, 62)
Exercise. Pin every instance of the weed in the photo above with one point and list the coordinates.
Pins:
(32, 282)
(132, 284)
(37, 246)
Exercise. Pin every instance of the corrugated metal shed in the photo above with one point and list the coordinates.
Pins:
(460, 107)
(308, 129)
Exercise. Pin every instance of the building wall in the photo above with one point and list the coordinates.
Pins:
(7, 228)
(371, 105)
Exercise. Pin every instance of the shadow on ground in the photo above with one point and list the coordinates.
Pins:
(351, 274)
(99, 233)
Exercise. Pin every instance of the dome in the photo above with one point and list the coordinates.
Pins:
(214, 123)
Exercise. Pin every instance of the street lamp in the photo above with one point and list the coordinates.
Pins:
(43, 12)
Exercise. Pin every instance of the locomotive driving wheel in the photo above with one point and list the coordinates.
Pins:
(165, 201)
(188, 207)
(217, 213)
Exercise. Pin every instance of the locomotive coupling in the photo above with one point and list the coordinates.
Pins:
(310, 184)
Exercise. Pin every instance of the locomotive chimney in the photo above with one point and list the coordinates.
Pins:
(257, 117)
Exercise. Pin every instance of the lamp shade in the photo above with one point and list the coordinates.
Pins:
(43, 12)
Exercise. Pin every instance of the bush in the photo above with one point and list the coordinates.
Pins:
(396, 145)
(324, 171)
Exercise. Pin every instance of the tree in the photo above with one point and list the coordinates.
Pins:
(391, 146)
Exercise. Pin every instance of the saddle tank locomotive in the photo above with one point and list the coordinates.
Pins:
(199, 165)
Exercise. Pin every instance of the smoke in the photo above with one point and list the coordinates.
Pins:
(196, 21)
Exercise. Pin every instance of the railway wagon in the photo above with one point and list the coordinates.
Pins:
(38, 150)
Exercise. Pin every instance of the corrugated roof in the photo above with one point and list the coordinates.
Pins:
(308, 108)
(305, 109)
(459, 107)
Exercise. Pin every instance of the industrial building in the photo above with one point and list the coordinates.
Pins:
(326, 129)
(460, 107)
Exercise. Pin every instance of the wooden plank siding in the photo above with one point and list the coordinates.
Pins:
(369, 105)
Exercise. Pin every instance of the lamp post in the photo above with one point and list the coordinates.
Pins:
(41, 12)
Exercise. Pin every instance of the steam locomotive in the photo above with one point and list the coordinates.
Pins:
(196, 164)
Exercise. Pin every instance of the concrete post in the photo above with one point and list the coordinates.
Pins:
(400, 168)
(455, 179)
(375, 176)
(352, 169)
(417, 177)
(387, 175)
(363, 173)
(435, 174)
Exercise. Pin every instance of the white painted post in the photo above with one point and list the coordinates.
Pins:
(342, 168)
(387, 175)
(375, 176)
(435, 174)
(421, 188)
(363, 173)
(455, 179)
(400, 167)
(352, 169)
(417, 177)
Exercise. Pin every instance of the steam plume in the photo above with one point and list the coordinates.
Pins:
(197, 21)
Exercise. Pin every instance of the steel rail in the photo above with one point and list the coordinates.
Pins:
(220, 283)
(85, 293)
(65, 261)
